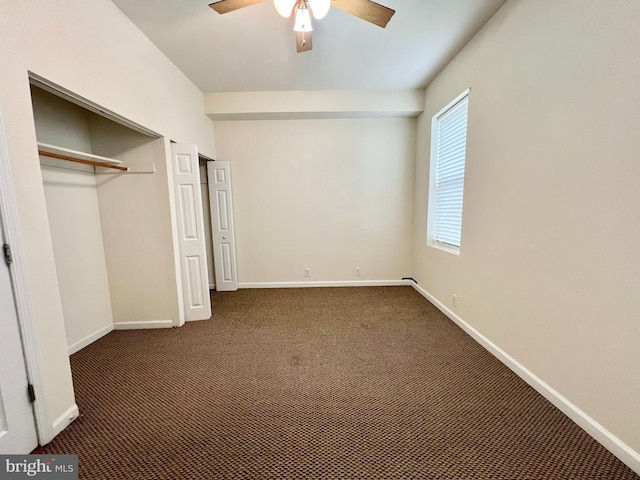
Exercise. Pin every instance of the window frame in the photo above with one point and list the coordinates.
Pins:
(433, 169)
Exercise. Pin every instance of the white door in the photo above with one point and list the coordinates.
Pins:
(189, 214)
(17, 424)
(224, 241)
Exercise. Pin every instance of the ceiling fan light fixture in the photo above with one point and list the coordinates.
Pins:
(303, 18)
(319, 8)
(284, 7)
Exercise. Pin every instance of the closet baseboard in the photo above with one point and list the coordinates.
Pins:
(88, 340)
(143, 325)
(64, 420)
(76, 347)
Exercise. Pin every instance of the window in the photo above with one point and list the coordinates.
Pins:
(448, 153)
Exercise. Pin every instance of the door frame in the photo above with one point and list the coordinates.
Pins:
(18, 274)
(17, 421)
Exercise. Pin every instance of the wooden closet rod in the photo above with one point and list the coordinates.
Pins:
(79, 160)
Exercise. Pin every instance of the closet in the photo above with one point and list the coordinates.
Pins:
(109, 211)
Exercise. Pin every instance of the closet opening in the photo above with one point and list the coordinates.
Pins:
(110, 227)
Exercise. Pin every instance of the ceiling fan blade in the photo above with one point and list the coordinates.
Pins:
(366, 9)
(303, 41)
(225, 6)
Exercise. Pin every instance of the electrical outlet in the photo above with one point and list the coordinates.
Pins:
(307, 272)
(455, 300)
(357, 271)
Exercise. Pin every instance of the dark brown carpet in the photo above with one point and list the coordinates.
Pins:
(332, 383)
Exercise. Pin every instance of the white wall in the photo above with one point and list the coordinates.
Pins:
(92, 49)
(549, 268)
(329, 195)
(204, 194)
(134, 210)
(60, 123)
(76, 232)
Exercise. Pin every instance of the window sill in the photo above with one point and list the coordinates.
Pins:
(444, 247)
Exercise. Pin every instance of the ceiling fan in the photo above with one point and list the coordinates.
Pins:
(365, 9)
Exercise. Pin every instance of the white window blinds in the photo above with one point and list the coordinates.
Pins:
(449, 137)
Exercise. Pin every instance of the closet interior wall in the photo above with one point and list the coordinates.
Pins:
(206, 208)
(137, 231)
(111, 230)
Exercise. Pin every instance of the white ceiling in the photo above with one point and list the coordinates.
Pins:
(253, 49)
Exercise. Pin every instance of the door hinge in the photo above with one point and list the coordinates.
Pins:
(7, 254)
(32, 393)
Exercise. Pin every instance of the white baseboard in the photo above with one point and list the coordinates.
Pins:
(339, 283)
(64, 420)
(143, 325)
(612, 443)
(89, 339)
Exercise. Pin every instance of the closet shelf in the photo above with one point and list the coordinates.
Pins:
(61, 153)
